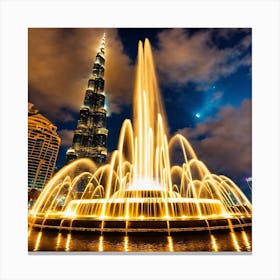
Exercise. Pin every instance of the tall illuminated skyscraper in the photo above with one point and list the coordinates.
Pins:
(90, 136)
(43, 147)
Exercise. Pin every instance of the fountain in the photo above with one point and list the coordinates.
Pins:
(139, 190)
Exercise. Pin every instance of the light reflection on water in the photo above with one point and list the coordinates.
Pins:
(68, 240)
(214, 243)
(170, 244)
(234, 241)
(187, 242)
(100, 247)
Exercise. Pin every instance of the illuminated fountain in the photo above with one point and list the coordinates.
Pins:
(139, 190)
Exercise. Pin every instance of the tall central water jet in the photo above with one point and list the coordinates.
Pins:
(139, 183)
(149, 119)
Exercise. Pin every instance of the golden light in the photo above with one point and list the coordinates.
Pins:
(138, 184)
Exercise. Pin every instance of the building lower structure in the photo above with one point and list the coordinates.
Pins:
(43, 147)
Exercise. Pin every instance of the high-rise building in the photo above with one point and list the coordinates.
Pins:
(43, 147)
(249, 182)
(90, 136)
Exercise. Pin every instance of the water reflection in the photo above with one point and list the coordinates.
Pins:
(68, 241)
(38, 240)
(170, 243)
(214, 243)
(126, 244)
(58, 241)
(100, 246)
(234, 241)
(184, 242)
(246, 241)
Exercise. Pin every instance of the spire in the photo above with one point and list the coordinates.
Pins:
(102, 45)
(90, 136)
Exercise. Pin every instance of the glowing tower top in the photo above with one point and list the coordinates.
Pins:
(90, 136)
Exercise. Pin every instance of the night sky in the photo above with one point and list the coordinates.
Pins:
(204, 76)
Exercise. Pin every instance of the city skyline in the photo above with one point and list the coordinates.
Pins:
(208, 70)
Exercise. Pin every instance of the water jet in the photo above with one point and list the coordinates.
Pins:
(139, 190)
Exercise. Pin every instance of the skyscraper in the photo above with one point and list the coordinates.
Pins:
(90, 136)
(43, 147)
(249, 182)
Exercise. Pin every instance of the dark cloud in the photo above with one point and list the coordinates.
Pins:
(225, 144)
(59, 65)
(182, 57)
(66, 137)
(60, 61)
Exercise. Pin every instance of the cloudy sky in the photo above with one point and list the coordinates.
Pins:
(204, 76)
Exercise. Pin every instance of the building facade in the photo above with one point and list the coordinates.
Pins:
(43, 147)
(90, 136)
(249, 182)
